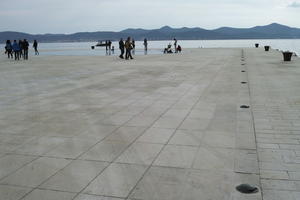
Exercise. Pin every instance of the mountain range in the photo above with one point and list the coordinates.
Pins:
(271, 31)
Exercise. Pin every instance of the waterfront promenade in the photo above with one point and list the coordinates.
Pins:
(159, 127)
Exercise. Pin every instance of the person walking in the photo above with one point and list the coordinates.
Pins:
(16, 49)
(8, 49)
(145, 44)
(35, 46)
(128, 47)
(25, 47)
(121, 47)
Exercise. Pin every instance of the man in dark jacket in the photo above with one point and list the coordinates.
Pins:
(121, 47)
(21, 54)
(25, 46)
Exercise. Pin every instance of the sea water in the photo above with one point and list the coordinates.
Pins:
(156, 47)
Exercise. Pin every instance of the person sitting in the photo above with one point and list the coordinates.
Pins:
(112, 49)
(168, 49)
(179, 49)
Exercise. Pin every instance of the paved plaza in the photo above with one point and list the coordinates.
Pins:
(159, 127)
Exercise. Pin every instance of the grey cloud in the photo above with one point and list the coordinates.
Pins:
(69, 16)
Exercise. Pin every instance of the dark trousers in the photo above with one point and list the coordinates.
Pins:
(9, 54)
(122, 53)
(36, 51)
(17, 55)
(25, 54)
(21, 53)
(128, 54)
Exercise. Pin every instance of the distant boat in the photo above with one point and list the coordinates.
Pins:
(101, 43)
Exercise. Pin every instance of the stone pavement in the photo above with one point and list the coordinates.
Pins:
(161, 127)
(275, 99)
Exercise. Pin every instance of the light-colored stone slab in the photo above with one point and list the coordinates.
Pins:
(116, 119)
(141, 120)
(140, 153)
(71, 148)
(219, 139)
(168, 122)
(40, 145)
(214, 159)
(105, 151)
(94, 197)
(10, 163)
(195, 124)
(176, 156)
(97, 131)
(156, 135)
(117, 180)
(186, 137)
(12, 192)
(126, 134)
(177, 113)
(279, 195)
(172, 183)
(75, 176)
(49, 195)
(268, 174)
(36, 172)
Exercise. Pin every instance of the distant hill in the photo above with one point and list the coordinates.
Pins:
(271, 31)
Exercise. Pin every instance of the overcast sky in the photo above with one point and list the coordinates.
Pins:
(69, 16)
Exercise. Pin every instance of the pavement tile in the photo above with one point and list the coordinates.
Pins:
(117, 180)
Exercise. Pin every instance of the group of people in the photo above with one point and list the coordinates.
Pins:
(19, 49)
(126, 47)
(177, 48)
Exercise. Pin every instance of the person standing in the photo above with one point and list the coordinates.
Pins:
(175, 44)
(8, 49)
(145, 44)
(133, 46)
(16, 49)
(35, 46)
(128, 47)
(25, 47)
(109, 45)
(21, 53)
(106, 46)
(121, 47)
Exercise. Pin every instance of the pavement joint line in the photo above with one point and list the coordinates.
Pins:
(169, 141)
(125, 150)
(67, 164)
(274, 129)
(254, 129)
